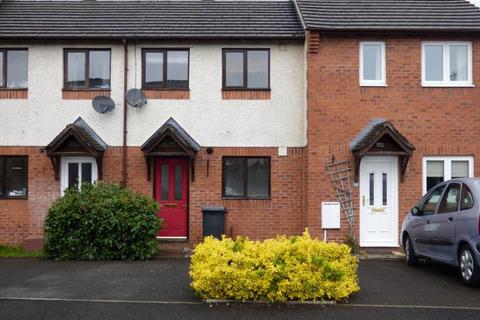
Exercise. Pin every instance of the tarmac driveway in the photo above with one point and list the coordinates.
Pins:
(32, 289)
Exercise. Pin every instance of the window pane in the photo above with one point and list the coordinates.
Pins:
(257, 69)
(458, 62)
(434, 62)
(435, 173)
(384, 189)
(164, 185)
(2, 83)
(72, 174)
(16, 176)
(177, 69)
(234, 69)
(87, 173)
(17, 69)
(450, 199)
(234, 174)
(371, 189)
(76, 70)
(431, 204)
(154, 69)
(2, 176)
(258, 178)
(372, 62)
(467, 198)
(99, 69)
(178, 181)
(459, 169)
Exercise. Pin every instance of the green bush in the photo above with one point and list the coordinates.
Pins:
(101, 222)
(281, 269)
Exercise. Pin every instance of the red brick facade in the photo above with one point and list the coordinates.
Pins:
(21, 220)
(437, 121)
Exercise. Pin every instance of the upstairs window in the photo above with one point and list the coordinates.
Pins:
(447, 64)
(246, 69)
(13, 68)
(246, 177)
(165, 68)
(372, 64)
(13, 176)
(87, 69)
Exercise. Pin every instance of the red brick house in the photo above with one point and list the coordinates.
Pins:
(246, 110)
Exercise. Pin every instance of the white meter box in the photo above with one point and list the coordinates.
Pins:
(330, 215)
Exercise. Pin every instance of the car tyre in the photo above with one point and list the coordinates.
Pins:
(469, 268)
(410, 255)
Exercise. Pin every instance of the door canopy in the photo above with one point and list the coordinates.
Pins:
(77, 139)
(381, 138)
(170, 140)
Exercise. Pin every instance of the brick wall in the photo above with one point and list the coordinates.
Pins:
(438, 121)
(22, 220)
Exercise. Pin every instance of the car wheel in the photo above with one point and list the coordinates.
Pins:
(469, 269)
(410, 255)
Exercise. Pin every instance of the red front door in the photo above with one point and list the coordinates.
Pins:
(171, 193)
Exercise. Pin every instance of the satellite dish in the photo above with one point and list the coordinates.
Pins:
(136, 98)
(103, 104)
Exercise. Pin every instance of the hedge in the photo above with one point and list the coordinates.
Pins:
(276, 270)
(101, 222)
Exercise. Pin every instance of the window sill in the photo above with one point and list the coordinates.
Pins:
(84, 94)
(14, 198)
(366, 84)
(446, 85)
(234, 94)
(13, 93)
(233, 198)
(167, 94)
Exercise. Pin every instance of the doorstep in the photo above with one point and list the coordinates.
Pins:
(381, 254)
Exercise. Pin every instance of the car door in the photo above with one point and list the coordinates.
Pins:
(420, 224)
(440, 227)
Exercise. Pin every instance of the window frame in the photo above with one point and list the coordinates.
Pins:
(87, 68)
(4, 182)
(245, 69)
(446, 82)
(64, 170)
(447, 167)
(245, 178)
(374, 83)
(165, 66)
(4, 63)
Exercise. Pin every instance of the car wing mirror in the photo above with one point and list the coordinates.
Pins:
(416, 211)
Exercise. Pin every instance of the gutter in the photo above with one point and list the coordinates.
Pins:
(125, 115)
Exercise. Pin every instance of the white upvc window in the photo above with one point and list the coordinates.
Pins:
(77, 170)
(437, 169)
(447, 64)
(373, 64)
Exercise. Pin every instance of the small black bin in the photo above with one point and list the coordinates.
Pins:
(214, 221)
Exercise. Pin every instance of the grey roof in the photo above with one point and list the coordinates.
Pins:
(176, 129)
(150, 19)
(83, 131)
(366, 133)
(359, 15)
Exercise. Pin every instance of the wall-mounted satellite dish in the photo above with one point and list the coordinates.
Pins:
(136, 98)
(103, 104)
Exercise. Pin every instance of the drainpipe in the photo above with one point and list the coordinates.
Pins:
(125, 109)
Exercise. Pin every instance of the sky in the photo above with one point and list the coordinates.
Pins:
(475, 2)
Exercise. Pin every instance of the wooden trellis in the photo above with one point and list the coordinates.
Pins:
(340, 173)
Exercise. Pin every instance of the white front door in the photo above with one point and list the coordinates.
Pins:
(379, 202)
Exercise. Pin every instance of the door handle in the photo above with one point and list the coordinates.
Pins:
(450, 218)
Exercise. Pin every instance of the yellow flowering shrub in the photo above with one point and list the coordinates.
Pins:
(280, 269)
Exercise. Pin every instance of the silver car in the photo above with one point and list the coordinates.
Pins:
(445, 226)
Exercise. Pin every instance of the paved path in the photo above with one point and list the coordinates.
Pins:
(159, 289)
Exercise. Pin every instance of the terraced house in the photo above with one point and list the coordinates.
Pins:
(265, 108)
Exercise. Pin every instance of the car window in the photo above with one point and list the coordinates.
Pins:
(467, 198)
(432, 201)
(451, 199)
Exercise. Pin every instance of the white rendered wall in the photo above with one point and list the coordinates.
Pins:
(210, 120)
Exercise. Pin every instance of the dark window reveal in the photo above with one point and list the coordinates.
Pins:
(13, 176)
(467, 198)
(87, 69)
(165, 68)
(246, 177)
(246, 69)
(13, 68)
